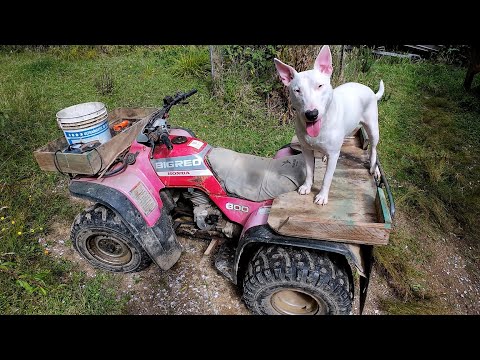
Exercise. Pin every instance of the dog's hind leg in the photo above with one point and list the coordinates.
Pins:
(370, 123)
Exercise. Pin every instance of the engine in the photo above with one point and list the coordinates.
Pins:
(207, 216)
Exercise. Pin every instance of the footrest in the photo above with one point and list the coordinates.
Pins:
(224, 259)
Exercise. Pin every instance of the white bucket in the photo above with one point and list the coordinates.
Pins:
(85, 122)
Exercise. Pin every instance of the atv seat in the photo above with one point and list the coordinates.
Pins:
(256, 178)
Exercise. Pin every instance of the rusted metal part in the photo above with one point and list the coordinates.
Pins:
(426, 48)
(358, 259)
(383, 182)
(415, 52)
(365, 280)
(389, 53)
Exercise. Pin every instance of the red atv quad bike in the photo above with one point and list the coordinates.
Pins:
(170, 181)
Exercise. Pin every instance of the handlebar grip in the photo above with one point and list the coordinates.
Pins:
(191, 92)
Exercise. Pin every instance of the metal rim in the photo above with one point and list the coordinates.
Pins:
(109, 249)
(297, 302)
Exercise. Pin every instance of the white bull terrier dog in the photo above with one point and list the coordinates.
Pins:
(326, 115)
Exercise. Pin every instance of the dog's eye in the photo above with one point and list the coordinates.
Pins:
(319, 86)
(297, 90)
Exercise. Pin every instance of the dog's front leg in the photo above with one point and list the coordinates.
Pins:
(322, 196)
(310, 165)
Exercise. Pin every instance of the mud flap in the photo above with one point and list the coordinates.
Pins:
(159, 241)
(367, 252)
(163, 246)
(264, 234)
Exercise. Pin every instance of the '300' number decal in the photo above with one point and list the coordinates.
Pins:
(236, 207)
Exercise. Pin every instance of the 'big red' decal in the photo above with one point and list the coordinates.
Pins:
(190, 165)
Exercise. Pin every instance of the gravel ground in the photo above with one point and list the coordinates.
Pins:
(194, 286)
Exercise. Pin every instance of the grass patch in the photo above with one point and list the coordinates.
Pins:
(195, 61)
(397, 263)
(64, 290)
(395, 307)
(104, 83)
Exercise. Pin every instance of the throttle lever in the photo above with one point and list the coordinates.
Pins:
(166, 140)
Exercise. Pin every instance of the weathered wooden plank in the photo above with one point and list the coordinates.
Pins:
(361, 233)
(306, 218)
(351, 213)
(211, 246)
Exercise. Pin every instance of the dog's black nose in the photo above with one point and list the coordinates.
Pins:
(311, 114)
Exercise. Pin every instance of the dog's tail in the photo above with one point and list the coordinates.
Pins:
(381, 90)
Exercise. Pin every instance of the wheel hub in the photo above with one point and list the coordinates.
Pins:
(109, 250)
(294, 302)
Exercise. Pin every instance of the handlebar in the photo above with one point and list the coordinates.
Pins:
(169, 101)
(152, 132)
(190, 93)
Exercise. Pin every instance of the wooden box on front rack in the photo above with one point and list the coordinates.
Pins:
(50, 157)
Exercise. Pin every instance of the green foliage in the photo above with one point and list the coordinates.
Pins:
(254, 63)
(256, 59)
(195, 61)
(104, 83)
(32, 281)
(398, 262)
(454, 54)
(416, 307)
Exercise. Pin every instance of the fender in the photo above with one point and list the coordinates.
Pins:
(359, 256)
(159, 240)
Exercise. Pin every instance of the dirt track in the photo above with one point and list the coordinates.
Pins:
(194, 286)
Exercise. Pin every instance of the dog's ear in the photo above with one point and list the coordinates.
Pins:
(323, 63)
(285, 71)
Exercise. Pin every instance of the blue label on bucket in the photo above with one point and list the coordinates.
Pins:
(80, 135)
